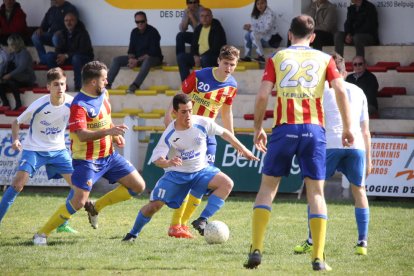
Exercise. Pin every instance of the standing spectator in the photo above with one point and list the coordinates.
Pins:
(191, 18)
(361, 28)
(53, 21)
(12, 20)
(209, 37)
(298, 129)
(324, 14)
(365, 80)
(20, 73)
(74, 48)
(259, 32)
(144, 50)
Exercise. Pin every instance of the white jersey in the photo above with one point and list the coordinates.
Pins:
(47, 124)
(333, 121)
(190, 144)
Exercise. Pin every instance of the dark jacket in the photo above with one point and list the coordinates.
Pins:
(22, 64)
(77, 42)
(16, 23)
(146, 43)
(216, 38)
(54, 18)
(363, 21)
(369, 84)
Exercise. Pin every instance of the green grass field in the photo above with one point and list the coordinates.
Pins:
(101, 251)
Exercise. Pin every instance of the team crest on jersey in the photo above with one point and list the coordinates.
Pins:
(198, 140)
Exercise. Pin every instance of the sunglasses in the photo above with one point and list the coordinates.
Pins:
(140, 21)
(358, 64)
(191, 2)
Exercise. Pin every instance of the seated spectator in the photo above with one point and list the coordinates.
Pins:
(74, 48)
(361, 28)
(191, 18)
(20, 71)
(144, 50)
(209, 37)
(12, 20)
(52, 23)
(325, 16)
(366, 81)
(259, 31)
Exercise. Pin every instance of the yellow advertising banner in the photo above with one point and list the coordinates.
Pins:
(176, 4)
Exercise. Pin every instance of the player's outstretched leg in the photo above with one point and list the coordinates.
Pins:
(65, 227)
(307, 245)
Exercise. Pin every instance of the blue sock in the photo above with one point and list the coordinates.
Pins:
(8, 198)
(362, 220)
(214, 203)
(140, 222)
(70, 196)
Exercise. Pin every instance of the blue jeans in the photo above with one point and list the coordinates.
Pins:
(122, 61)
(249, 41)
(77, 61)
(185, 62)
(44, 39)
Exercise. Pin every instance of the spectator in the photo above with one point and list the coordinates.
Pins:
(259, 32)
(324, 14)
(20, 73)
(53, 21)
(366, 81)
(191, 17)
(12, 20)
(209, 37)
(74, 48)
(144, 50)
(361, 28)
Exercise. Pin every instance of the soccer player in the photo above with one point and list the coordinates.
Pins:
(299, 73)
(354, 162)
(182, 152)
(210, 89)
(45, 143)
(92, 133)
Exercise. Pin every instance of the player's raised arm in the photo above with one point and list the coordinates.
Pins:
(229, 137)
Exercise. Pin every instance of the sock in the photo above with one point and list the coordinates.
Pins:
(62, 214)
(140, 222)
(362, 220)
(118, 194)
(309, 231)
(214, 203)
(192, 204)
(261, 217)
(8, 198)
(178, 213)
(317, 224)
(68, 199)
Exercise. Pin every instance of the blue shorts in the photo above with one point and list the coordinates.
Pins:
(173, 187)
(57, 162)
(350, 162)
(211, 149)
(112, 167)
(306, 141)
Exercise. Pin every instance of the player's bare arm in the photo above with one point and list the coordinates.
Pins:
(260, 137)
(165, 163)
(344, 109)
(229, 137)
(91, 135)
(16, 145)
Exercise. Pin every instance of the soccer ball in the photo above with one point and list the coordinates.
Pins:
(216, 232)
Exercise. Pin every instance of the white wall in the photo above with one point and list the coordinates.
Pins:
(109, 25)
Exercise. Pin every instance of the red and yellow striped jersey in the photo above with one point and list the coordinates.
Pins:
(299, 74)
(91, 113)
(207, 93)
